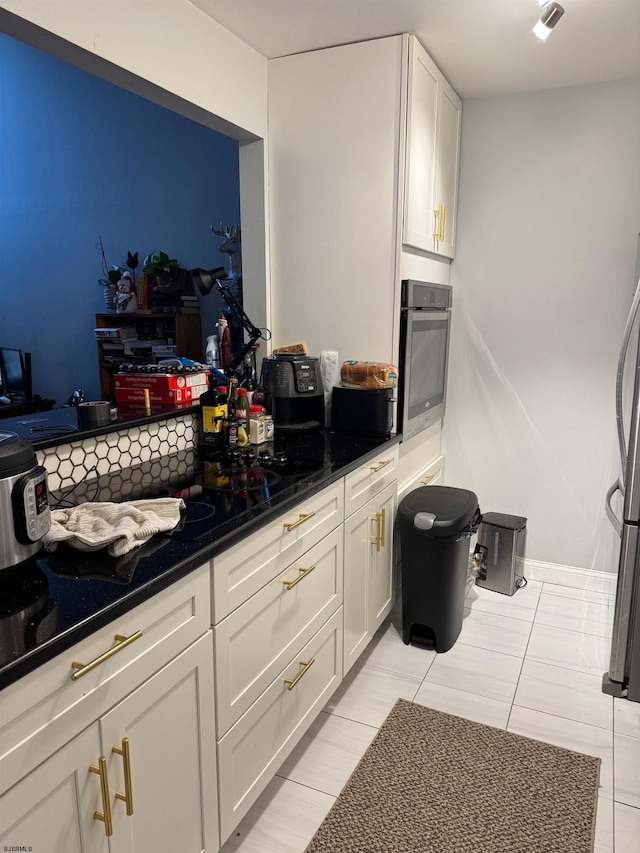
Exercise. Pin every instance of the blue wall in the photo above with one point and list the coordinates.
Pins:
(80, 157)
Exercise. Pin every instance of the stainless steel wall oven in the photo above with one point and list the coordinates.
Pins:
(425, 319)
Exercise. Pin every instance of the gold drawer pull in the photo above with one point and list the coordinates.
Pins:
(125, 752)
(301, 520)
(382, 526)
(82, 668)
(105, 814)
(301, 576)
(380, 465)
(428, 479)
(305, 664)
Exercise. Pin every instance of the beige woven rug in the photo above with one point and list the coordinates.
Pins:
(434, 783)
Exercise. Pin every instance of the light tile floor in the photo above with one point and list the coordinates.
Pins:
(531, 663)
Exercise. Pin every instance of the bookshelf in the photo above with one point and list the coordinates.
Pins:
(153, 330)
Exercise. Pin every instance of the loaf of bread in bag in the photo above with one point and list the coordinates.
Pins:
(369, 374)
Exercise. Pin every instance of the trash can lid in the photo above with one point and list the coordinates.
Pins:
(453, 509)
(501, 519)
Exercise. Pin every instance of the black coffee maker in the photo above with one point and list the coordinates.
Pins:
(293, 391)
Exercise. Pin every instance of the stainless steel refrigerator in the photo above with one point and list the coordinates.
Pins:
(623, 676)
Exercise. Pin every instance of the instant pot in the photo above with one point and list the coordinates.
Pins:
(28, 615)
(25, 516)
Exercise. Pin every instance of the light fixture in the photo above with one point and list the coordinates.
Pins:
(552, 12)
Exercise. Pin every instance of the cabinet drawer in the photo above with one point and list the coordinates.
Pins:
(246, 567)
(431, 475)
(253, 749)
(256, 641)
(43, 709)
(369, 479)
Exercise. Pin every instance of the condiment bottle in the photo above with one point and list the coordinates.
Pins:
(213, 404)
(242, 414)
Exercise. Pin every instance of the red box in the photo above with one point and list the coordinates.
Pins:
(162, 381)
(185, 396)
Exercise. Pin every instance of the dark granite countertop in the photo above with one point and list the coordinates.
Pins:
(53, 602)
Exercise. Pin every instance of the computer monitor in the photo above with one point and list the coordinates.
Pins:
(14, 381)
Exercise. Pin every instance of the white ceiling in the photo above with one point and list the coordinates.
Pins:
(483, 47)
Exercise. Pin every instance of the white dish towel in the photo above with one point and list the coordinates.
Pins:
(120, 527)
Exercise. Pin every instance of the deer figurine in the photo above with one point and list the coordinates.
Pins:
(231, 247)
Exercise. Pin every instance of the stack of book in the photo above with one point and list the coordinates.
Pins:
(170, 303)
(116, 333)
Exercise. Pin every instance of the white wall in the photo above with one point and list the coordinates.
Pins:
(543, 279)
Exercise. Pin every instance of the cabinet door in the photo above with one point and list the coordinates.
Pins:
(52, 809)
(359, 532)
(168, 722)
(420, 176)
(368, 571)
(381, 572)
(447, 165)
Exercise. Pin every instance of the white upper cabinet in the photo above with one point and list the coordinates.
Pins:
(338, 137)
(434, 114)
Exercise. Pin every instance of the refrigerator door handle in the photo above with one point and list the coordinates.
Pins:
(622, 360)
(613, 518)
(624, 598)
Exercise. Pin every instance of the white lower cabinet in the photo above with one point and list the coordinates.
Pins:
(254, 643)
(169, 780)
(52, 809)
(368, 575)
(430, 475)
(250, 753)
(152, 786)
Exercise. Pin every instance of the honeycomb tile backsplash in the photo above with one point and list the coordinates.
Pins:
(68, 464)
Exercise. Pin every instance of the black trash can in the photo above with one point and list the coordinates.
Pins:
(433, 527)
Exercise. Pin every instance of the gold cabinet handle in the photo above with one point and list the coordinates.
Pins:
(301, 576)
(125, 752)
(427, 480)
(302, 517)
(376, 541)
(382, 526)
(305, 666)
(83, 668)
(437, 213)
(440, 214)
(105, 814)
(380, 465)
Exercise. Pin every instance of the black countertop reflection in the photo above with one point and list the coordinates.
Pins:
(53, 602)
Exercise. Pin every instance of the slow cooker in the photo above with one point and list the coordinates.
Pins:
(25, 516)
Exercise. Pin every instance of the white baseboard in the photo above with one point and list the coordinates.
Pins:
(570, 576)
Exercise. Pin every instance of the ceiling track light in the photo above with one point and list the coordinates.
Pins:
(552, 12)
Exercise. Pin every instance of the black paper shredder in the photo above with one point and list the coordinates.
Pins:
(433, 528)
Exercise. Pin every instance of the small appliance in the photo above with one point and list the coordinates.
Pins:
(25, 516)
(28, 615)
(293, 391)
(362, 410)
(500, 552)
